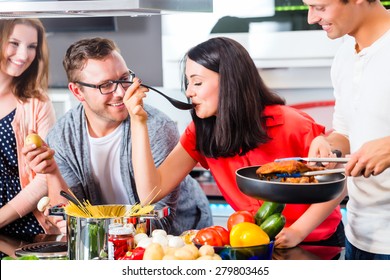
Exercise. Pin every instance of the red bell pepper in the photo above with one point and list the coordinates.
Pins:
(135, 254)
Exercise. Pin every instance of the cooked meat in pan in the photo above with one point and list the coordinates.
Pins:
(268, 171)
(287, 166)
(299, 180)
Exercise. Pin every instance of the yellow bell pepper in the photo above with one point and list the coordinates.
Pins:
(248, 234)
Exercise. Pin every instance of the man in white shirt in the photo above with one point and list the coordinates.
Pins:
(361, 120)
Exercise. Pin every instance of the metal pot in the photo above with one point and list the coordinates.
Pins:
(87, 237)
(328, 187)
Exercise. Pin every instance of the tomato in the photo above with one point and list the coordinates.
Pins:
(248, 234)
(208, 236)
(240, 217)
(224, 233)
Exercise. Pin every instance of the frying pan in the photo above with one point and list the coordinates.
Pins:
(328, 187)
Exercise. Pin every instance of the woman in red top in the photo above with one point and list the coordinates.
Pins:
(237, 122)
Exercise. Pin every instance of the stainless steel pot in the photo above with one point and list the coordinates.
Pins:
(87, 237)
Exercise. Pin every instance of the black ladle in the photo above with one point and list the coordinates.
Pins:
(178, 104)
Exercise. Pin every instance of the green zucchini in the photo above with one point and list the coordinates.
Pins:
(28, 257)
(7, 258)
(273, 225)
(267, 209)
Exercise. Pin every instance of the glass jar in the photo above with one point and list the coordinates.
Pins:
(120, 241)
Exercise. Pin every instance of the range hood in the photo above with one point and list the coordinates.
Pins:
(99, 8)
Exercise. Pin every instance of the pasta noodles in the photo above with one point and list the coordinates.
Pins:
(86, 210)
(107, 211)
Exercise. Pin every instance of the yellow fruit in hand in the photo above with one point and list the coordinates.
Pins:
(33, 139)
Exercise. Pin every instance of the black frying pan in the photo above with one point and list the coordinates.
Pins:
(328, 187)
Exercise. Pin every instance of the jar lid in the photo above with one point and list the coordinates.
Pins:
(130, 226)
(120, 230)
(115, 225)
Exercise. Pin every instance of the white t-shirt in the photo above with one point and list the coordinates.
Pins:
(362, 112)
(105, 158)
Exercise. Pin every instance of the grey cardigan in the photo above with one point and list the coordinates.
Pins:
(188, 203)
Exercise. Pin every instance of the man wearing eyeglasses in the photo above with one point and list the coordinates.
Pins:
(92, 141)
(111, 86)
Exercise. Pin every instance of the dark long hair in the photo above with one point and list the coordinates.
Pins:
(34, 81)
(239, 126)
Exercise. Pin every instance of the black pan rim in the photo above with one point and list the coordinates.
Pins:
(343, 177)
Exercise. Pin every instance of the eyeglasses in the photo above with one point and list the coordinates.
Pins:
(111, 86)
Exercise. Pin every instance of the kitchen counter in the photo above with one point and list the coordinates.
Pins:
(9, 244)
(309, 252)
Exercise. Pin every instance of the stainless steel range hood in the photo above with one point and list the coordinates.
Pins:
(91, 8)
